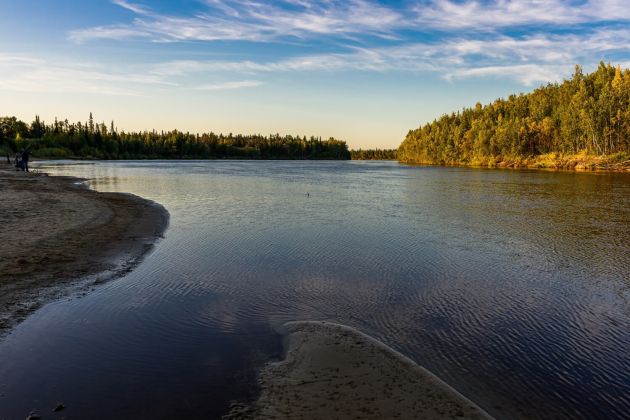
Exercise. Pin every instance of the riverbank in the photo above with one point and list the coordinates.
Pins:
(334, 371)
(555, 161)
(57, 236)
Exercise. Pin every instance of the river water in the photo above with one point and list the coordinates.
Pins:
(512, 286)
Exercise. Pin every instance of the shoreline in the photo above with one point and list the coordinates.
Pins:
(547, 162)
(335, 371)
(59, 237)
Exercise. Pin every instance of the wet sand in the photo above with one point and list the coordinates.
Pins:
(335, 372)
(57, 237)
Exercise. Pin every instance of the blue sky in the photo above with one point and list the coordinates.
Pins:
(360, 70)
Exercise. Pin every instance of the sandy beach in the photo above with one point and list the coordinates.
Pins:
(57, 235)
(332, 371)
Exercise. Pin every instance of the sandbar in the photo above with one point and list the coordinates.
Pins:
(56, 234)
(332, 371)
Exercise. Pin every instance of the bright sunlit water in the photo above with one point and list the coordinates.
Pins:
(512, 286)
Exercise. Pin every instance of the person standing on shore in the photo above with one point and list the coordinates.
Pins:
(25, 157)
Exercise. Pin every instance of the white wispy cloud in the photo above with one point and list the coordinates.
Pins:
(450, 14)
(136, 8)
(10, 59)
(229, 85)
(248, 20)
(528, 74)
(23, 73)
(115, 32)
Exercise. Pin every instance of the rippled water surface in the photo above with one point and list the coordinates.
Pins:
(513, 286)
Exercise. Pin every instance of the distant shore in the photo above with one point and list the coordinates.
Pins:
(57, 235)
(333, 371)
(551, 161)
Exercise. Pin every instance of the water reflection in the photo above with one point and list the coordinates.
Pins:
(511, 285)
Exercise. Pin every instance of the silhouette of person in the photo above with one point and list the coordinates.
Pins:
(25, 157)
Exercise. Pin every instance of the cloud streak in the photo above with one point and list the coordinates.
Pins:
(21, 73)
(229, 85)
(448, 14)
(247, 20)
(135, 8)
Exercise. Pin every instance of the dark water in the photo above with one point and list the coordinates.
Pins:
(512, 286)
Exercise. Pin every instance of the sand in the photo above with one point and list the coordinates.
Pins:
(332, 371)
(56, 235)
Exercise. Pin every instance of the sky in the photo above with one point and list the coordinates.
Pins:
(364, 71)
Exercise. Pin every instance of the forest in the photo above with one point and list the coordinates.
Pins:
(92, 140)
(583, 119)
(373, 154)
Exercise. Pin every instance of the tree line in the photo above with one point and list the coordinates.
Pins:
(92, 140)
(373, 154)
(588, 114)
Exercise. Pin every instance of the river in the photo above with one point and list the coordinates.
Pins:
(512, 286)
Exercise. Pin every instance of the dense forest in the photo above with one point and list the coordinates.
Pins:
(91, 140)
(373, 154)
(588, 115)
